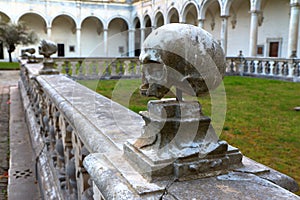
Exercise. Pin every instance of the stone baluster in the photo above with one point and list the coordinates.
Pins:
(298, 69)
(80, 74)
(87, 68)
(138, 69)
(101, 67)
(259, 67)
(134, 64)
(127, 67)
(67, 67)
(290, 68)
(113, 67)
(59, 66)
(280, 68)
(252, 66)
(80, 152)
(121, 67)
(94, 68)
(286, 69)
(271, 67)
(231, 66)
(73, 64)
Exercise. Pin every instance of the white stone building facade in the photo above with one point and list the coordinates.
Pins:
(92, 28)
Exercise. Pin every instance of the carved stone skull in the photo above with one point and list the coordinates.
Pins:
(184, 56)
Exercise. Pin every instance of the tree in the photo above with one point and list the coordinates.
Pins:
(12, 34)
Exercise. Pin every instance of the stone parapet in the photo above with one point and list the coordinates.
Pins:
(78, 138)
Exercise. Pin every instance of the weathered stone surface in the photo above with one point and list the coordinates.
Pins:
(47, 48)
(182, 55)
(101, 127)
(178, 140)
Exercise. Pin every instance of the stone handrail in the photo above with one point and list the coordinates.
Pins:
(78, 137)
(68, 122)
(98, 68)
(280, 68)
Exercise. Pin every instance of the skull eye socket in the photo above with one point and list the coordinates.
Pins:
(155, 71)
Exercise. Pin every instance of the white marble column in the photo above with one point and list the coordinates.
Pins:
(201, 23)
(131, 42)
(224, 33)
(49, 33)
(105, 41)
(78, 37)
(142, 37)
(253, 33)
(293, 30)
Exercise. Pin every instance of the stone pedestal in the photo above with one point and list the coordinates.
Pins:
(48, 68)
(178, 140)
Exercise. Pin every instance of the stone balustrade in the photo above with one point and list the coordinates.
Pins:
(277, 68)
(127, 67)
(98, 68)
(78, 138)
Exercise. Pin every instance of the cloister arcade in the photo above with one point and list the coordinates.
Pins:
(259, 28)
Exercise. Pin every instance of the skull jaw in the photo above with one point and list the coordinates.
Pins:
(154, 90)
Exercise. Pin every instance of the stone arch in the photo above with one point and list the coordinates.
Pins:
(136, 22)
(147, 25)
(205, 5)
(68, 16)
(117, 17)
(63, 32)
(238, 26)
(190, 13)
(173, 15)
(137, 33)
(4, 17)
(94, 17)
(117, 37)
(159, 19)
(92, 37)
(35, 13)
(36, 23)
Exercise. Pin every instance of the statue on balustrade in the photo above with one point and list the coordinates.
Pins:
(177, 138)
(48, 48)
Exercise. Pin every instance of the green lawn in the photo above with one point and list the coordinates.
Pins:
(9, 66)
(260, 119)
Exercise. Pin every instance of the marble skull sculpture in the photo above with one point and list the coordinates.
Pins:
(184, 56)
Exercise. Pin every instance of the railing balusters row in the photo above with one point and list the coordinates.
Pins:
(93, 68)
(275, 67)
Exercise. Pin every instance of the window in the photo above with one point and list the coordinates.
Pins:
(260, 50)
(121, 49)
(72, 48)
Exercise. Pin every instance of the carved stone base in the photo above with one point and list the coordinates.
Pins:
(48, 68)
(179, 141)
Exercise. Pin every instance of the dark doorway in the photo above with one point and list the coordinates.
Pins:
(61, 50)
(1, 50)
(137, 52)
(273, 50)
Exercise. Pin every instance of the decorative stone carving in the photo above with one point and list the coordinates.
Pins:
(178, 140)
(47, 48)
(183, 56)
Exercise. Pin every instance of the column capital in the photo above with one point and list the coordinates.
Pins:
(105, 29)
(131, 30)
(255, 11)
